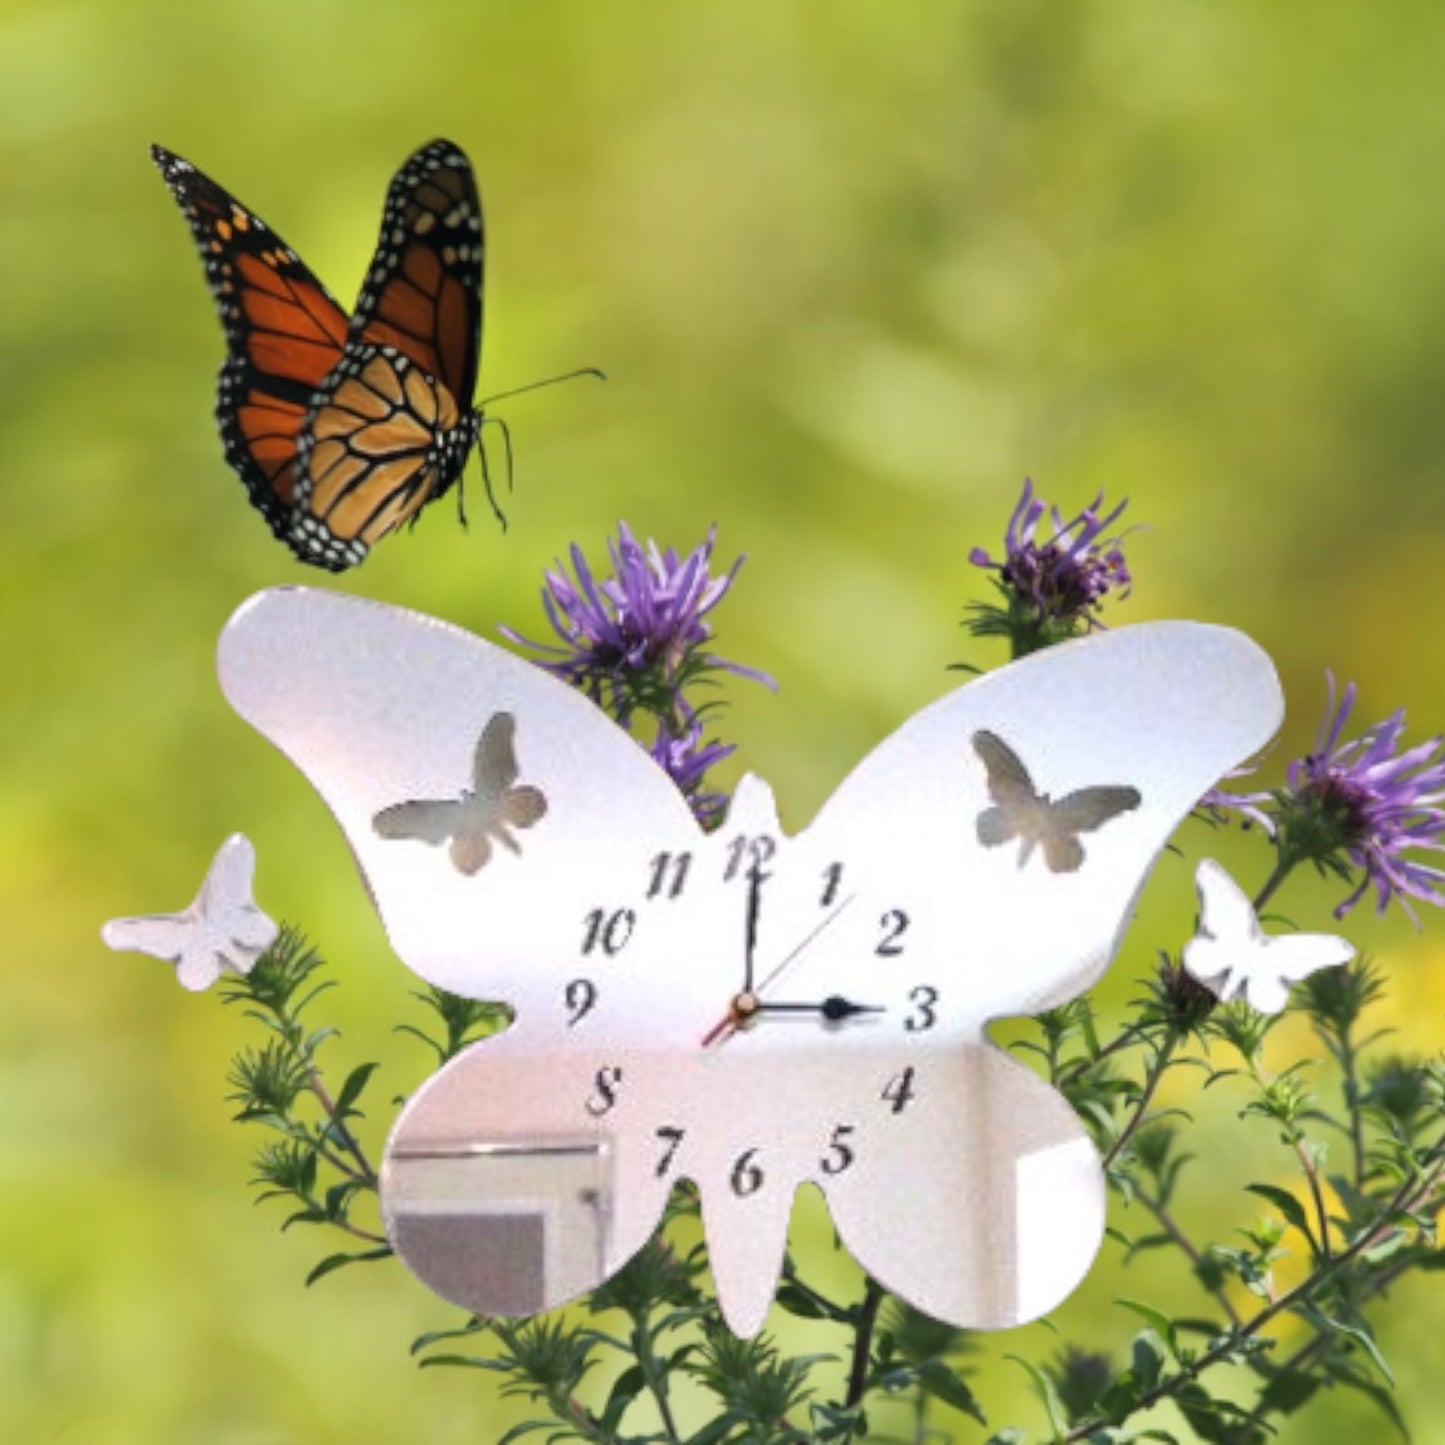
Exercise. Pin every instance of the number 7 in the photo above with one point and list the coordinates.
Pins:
(673, 1138)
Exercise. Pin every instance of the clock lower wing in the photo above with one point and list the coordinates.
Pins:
(979, 1198)
(514, 1180)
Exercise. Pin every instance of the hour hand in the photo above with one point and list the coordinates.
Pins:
(834, 1008)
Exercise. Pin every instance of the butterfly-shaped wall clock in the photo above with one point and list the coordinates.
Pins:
(343, 428)
(223, 931)
(1233, 957)
(743, 1008)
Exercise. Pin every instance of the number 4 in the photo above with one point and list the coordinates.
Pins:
(899, 1090)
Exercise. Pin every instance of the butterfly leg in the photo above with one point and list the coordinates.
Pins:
(506, 432)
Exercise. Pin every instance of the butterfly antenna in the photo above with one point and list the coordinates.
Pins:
(537, 385)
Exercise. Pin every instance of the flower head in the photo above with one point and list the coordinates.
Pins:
(1366, 803)
(1218, 803)
(685, 758)
(634, 639)
(1055, 584)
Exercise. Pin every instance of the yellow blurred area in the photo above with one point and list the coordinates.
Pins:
(853, 272)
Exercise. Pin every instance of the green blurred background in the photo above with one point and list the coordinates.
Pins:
(853, 270)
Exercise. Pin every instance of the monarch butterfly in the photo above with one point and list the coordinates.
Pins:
(344, 429)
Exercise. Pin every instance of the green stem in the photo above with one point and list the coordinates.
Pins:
(348, 1140)
(1171, 1227)
(1313, 1175)
(1156, 1073)
(655, 1376)
(1125, 1037)
(873, 1297)
(1284, 866)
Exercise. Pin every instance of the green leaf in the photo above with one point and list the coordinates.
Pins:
(1288, 1206)
(1359, 1334)
(941, 1382)
(625, 1389)
(1161, 1322)
(356, 1081)
(1373, 1391)
(1148, 1355)
(1052, 1404)
(333, 1262)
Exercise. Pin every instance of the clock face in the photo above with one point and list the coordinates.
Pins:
(745, 1009)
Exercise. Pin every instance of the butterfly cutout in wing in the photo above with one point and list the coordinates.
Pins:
(1020, 811)
(344, 429)
(223, 931)
(487, 811)
(1233, 957)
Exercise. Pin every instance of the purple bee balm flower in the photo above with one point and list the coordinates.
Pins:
(1058, 581)
(635, 638)
(1370, 802)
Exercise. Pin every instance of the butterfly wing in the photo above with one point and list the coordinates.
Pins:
(1006, 1201)
(494, 765)
(421, 820)
(380, 707)
(1009, 786)
(1287, 958)
(1229, 942)
(423, 293)
(162, 935)
(381, 440)
(284, 335)
(390, 428)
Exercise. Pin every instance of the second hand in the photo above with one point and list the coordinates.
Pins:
(728, 1023)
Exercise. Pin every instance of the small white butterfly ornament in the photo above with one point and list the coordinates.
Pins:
(223, 931)
(744, 1008)
(1233, 957)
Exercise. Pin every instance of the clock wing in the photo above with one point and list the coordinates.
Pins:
(1149, 716)
(383, 709)
(1005, 1194)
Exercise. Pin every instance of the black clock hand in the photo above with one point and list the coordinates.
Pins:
(834, 1008)
(755, 890)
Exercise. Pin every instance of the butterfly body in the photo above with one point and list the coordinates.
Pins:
(344, 428)
(1038, 822)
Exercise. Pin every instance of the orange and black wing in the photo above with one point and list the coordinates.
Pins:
(382, 439)
(423, 293)
(284, 333)
(391, 427)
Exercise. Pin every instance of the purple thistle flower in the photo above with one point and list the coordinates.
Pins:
(1370, 802)
(1055, 583)
(685, 758)
(634, 639)
(1218, 803)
